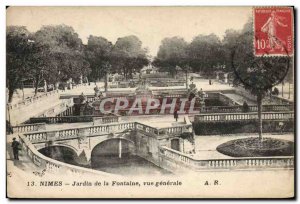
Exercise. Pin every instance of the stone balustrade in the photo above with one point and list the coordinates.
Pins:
(228, 100)
(238, 109)
(40, 137)
(62, 119)
(289, 115)
(54, 166)
(29, 127)
(147, 129)
(32, 100)
(281, 100)
(57, 109)
(36, 137)
(230, 163)
(28, 139)
(119, 127)
(106, 119)
(176, 129)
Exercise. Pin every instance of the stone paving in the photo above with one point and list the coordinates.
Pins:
(205, 148)
(206, 145)
(216, 86)
(240, 99)
(24, 164)
(200, 83)
(156, 121)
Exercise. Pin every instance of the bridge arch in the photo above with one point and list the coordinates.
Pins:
(63, 153)
(60, 145)
(112, 151)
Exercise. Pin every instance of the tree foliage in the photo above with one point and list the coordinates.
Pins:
(257, 74)
(128, 56)
(66, 59)
(206, 54)
(172, 53)
(18, 56)
(98, 54)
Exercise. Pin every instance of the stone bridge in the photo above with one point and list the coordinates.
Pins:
(125, 137)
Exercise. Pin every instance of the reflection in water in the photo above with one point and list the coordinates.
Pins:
(60, 153)
(127, 165)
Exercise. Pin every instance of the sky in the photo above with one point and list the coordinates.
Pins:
(149, 24)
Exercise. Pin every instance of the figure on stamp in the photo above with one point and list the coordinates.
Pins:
(270, 28)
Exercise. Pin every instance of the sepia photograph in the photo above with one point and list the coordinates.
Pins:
(173, 102)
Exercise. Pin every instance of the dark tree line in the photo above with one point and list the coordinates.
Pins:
(207, 54)
(56, 54)
(125, 57)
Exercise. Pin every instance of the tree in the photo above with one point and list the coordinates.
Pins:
(257, 74)
(17, 57)
(206, 54)
(229, 43)
(128, 56)
(98, 54)
(66, 59)
(172, 53)
(38, 62)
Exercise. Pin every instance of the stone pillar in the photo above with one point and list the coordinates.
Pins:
(56, 85)
(120, 148)
(83, 141)
(226, 78)
(217, 76)
(45, 86)
(84, 158)
(80, 79)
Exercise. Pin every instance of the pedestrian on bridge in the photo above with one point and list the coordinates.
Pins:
(16, 147)
(176, 115)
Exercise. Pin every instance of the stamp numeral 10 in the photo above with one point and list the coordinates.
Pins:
(261, 44)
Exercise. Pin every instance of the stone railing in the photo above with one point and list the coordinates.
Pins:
(230, 163)
(51, 165)
(281, 100)
(110, 128)
(106, 119)
(176, 129)
(243, 116)
(32, 100)
(228, 100)
(76, 119)
(58, 109)
(276, 99)
(29, 127)
(238, 109)
(40, 137)
(146, 129)
(165, 89)
(62, 119)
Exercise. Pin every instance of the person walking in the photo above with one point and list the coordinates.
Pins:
(9, 129)
(15, 146)
(176, 115)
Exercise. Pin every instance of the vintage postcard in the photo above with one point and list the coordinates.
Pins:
(150, 102)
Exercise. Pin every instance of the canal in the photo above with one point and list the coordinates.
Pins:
(128, 165)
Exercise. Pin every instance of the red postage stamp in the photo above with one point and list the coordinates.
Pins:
(273, 31)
